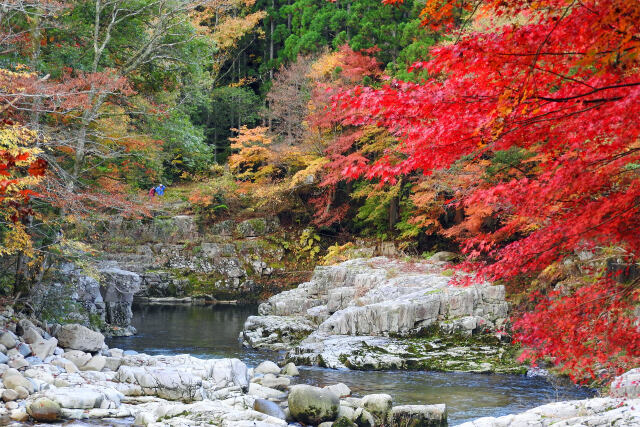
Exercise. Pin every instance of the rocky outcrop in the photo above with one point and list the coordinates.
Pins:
(382, 296)
(161, 390)
(384, 313)
(183, 378)
(117, 289)
(620, 408)
(276, 332)
(419, 415)
(100, 295)
(627, 384)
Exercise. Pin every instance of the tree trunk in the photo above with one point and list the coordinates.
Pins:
(273, 6)
(36, 33)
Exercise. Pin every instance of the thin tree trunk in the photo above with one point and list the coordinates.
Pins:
(273, 5)
(36, 34)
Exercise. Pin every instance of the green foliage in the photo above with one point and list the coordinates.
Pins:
(505, 160)
(362, 23)
(228, 107)
(309, 244)
(7, 282)
(184, 144)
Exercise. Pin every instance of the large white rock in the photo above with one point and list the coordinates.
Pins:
(290, 370)
(340, 389)
(113, 363)
(275, 332)
(13, 379)
(589, 412)
(379, 405)
(181, 377)
(96, 363)
(76, 397)
(166, 383)
(267, 367)
(117, 291)
(65, 364)
(8, 339)
(272, 381)
(313, 405)
(206, 412)
(79, 358)
(78, 337)
(31, 335)
(263, 392)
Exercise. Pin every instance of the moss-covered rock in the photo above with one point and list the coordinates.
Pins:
(313, 405)
(257, 227)
(44, 409)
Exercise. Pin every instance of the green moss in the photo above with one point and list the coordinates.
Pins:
(478, 353)
(436, 351)
(168, 417)
(260, 225)
(96, 321)
(343, 422)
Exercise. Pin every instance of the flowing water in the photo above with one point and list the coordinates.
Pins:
(212, 331)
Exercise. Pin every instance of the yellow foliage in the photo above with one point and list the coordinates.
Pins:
(338, 253)
(324, 66)
(313, 168)
(376, 140)
(250, 137)
(233, 28)
(17, 144)
(16, 240)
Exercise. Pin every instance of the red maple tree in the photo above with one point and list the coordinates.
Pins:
(559, 80)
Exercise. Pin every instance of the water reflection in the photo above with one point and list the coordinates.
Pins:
(202, 331)
(212, 331)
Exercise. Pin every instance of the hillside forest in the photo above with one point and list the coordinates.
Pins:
(506, 132)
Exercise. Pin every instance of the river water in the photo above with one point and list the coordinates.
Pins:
(212, 332)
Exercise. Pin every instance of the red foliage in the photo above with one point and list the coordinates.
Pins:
(564, 86)
(591, 328)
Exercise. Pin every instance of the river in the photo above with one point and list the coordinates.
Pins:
(212, 332)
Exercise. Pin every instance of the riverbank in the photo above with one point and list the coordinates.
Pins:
(85, 379)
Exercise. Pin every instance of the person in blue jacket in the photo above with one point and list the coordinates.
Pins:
(160, 190)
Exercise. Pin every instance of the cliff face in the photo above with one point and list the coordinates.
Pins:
(172, 259)
(176, 258)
